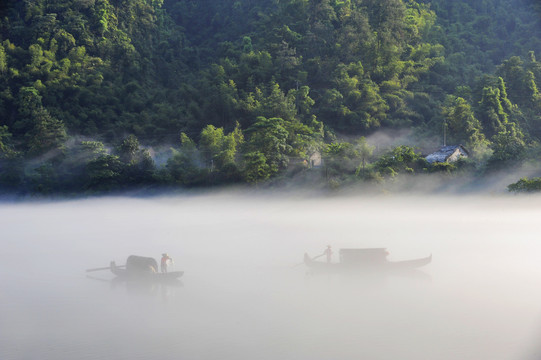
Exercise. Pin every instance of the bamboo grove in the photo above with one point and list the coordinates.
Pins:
(106, 95)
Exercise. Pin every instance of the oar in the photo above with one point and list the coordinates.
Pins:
(104, 268)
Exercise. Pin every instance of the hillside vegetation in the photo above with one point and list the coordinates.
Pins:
(101, 95)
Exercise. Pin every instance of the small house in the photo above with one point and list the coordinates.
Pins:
(449, 153)
(315, 160)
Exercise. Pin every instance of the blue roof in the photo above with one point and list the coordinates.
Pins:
(445, 152)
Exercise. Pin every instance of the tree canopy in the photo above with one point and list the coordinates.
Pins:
(98, 95)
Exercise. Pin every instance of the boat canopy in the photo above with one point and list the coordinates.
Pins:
(136, 263)
(352, 256)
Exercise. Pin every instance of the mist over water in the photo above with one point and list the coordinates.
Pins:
(244, 294)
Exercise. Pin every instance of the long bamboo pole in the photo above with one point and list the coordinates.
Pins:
(104, 268)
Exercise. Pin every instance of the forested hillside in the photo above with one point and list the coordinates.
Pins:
(100, 95)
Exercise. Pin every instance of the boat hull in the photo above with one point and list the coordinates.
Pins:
(379, 266)
(410, 264)
(145, 276)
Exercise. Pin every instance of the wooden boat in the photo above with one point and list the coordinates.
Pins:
(140, 268)
(372, 259)
(151, 275)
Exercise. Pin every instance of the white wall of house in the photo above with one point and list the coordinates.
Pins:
(316, 160)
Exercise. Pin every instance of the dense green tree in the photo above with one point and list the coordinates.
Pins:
(340, 159)
(11, 166)
(138, 165)
(508, 146)
(463, 127)
(183, 166)
(303, 103)
(47, 133)
(3, 61)
(365, 152)
(525, 185)
(104, 173)
(41, 131)
(401, 159)
(256, 167)
(269, 137)
(520, 82)
(6, 145)
(490, 111)
(211, 144)
(220, 150)
(128, 149)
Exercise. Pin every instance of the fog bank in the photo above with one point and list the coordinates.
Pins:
(245, 293)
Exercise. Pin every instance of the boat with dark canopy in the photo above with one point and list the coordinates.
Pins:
(140, 268)
(370, 259)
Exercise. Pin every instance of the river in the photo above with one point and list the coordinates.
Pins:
(245, 293)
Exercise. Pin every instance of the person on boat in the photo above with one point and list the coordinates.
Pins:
(164, 262)
(328, 253)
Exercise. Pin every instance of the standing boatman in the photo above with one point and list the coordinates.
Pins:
(164, 262)
(328, 253)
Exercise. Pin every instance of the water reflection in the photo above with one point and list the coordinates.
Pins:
(369, 275)
(164, 288)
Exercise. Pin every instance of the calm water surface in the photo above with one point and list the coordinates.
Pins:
(244, 294)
